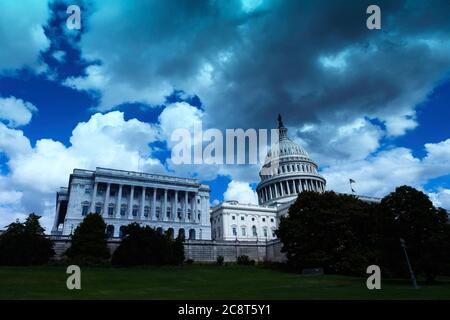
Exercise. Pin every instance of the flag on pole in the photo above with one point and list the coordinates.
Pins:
(352, 181)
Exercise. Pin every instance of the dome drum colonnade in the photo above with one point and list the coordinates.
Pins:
(293, 173)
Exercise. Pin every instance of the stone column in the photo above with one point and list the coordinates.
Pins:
(154, 205)
(195, 209)
(185, 209)
(94, 197)
(130, 202)
(106, 204)
(143, 203)
(175, 207)
(119, 200)
(165, 206)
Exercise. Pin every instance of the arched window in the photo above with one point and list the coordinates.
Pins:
(170, 233)
(181, 234)
(254, 232)
(110, 231)
(122, 231)
(192, 234)
(159, 230)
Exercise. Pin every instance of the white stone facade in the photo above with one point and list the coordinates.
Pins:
(177, 205)
(231, 220)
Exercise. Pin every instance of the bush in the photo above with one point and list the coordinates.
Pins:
(245, 260)
(25, 243)
(89, 245)
(146, 246)
(220, 260)
(189, 261)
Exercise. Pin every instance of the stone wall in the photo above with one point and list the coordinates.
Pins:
(207, 250)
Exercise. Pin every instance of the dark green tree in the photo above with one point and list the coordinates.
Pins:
(145, 246)
(409, 214)
(89, 241)
(335, 232)
(25, 243)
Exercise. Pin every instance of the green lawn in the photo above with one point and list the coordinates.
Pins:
(201, 282)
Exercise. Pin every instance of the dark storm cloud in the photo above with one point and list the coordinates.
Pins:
(313, 61)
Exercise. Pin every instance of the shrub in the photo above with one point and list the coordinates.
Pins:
(220, 260)
(189, 261)
(25, 243)
(146, 246)
(245, 260)
(89, 245)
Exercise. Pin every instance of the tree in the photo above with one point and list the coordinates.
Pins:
(409, 214)
(89, 240)
(331, 231)
(25, 243)
(146, 246)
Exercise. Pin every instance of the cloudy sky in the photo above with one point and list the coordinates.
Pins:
(371, 105)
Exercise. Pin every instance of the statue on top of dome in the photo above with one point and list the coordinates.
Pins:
(280, 122)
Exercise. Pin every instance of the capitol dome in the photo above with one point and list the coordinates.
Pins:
(287, 171)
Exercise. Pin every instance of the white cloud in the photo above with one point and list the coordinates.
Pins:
(115, 92)
(240, 191)
(380, 174)
(441, 198)
(16, 112)
(22, 34)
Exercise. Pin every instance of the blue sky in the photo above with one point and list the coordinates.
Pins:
(371, 105)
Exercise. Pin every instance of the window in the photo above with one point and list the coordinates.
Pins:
(243, 231)
(157, 213)
(198, 216)
(271, 220)
(111, 210)
(135, 211)
(85, 210)
(242, 218)
(253, 219)
(255, 234)
(265, 232)
(264, 219)
(123, 210)
(168, 213)
(98, 208)
(233, 217)
(146, 211)
(234, 231)
(87, 190)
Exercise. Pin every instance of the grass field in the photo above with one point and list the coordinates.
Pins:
(201, 282)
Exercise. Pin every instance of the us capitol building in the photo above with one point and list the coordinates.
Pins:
(181, 206)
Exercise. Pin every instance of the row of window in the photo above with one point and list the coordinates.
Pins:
(135, 211)
(293, 168)
(243, 232)
(170, 232)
